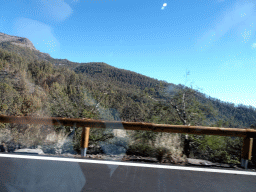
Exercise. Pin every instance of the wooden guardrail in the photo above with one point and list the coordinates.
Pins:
(247, 134)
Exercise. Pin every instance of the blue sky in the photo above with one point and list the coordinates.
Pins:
(213, 39)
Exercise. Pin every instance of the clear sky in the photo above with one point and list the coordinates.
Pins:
(213, 39)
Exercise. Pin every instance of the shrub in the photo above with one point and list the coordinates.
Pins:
(141, 149)
(217, 148)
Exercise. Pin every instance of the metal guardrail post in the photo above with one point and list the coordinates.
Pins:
(84, 140)
(246, 151)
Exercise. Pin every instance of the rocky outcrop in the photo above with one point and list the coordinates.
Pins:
(26, 43)
(20, 41)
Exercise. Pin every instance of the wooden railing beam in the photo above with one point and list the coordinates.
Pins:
(247, 134)
(198, 130)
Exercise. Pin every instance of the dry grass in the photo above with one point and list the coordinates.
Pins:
(34, 136)
(169, 147)
(5, 135)
(57, 141)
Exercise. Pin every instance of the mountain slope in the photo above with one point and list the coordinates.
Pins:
(105, 72)
(126, 82)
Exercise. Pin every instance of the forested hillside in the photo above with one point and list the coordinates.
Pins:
(34, 84)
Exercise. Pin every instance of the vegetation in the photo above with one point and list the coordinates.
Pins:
(33, 84)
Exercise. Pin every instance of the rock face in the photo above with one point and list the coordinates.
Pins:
(26, 43)
(20, 41)
(29, 151)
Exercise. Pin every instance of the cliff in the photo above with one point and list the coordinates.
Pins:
(20, 41)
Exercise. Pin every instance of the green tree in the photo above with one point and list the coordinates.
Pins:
(60, 103)
(8, 96)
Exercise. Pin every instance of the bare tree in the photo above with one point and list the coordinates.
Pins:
(187, 108)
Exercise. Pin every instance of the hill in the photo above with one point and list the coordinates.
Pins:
(34, 83)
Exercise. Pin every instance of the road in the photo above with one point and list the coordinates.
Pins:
(37, 173)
